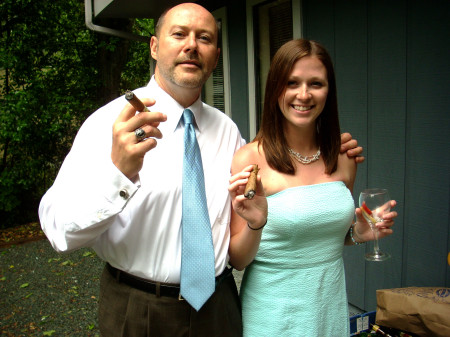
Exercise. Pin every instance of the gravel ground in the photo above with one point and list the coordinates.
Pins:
(44, 293)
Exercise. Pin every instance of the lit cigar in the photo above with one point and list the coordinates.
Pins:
(250, 188)
(135, 102)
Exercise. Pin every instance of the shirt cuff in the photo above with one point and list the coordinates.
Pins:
(119, 189)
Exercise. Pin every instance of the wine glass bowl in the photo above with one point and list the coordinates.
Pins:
(374, 203)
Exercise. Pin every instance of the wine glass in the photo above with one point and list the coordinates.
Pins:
(374, 203)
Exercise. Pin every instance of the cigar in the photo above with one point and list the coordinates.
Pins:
(135, 102)
(250, 188)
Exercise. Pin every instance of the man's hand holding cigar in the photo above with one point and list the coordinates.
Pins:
(134, 134)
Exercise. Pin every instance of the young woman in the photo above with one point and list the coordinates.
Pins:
(295, 285)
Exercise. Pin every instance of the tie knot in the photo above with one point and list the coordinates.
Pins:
(188, 116)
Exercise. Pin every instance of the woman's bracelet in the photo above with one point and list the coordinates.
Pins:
(351, 235)
(256, 229)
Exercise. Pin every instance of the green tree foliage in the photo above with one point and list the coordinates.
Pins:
(52, 76)
(136, 71)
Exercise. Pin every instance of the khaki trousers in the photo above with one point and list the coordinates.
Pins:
(128, 312)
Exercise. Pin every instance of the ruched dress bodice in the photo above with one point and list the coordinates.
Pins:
(296, 284)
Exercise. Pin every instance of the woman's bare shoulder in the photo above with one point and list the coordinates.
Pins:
(246, 155)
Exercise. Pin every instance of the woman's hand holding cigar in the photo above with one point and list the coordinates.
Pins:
(249, 216)
(128, 150)
(248, 198)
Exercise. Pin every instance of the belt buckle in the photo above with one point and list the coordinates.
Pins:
(180, 298)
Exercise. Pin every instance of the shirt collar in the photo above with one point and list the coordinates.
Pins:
(166, 104)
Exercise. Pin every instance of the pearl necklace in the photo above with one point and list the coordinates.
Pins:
(305, 159)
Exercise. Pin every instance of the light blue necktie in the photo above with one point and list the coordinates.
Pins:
(197, 252)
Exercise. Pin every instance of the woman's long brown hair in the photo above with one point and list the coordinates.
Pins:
(271, 134)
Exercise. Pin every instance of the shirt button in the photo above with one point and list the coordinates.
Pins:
(124, 194)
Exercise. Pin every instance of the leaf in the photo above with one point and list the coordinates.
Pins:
(24, 285)
(88, 254)
(49, 332)
(29, 295)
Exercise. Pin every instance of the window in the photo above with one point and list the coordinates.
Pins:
(272, 23)
(272, 26)
(216, 90)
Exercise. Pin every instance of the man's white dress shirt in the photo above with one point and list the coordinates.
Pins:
(136, 226)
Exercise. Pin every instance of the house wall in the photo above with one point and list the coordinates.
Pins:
(391, 60)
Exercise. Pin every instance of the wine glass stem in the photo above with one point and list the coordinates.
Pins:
(376, 248)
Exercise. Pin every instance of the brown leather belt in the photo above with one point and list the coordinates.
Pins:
(157, 288)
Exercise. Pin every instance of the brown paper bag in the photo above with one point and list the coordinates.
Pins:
(424, 311)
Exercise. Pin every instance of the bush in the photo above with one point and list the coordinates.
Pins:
(52, 76)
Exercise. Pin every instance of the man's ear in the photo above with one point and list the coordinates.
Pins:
(154, 47)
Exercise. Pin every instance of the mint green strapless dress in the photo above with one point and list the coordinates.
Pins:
(296, 284)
